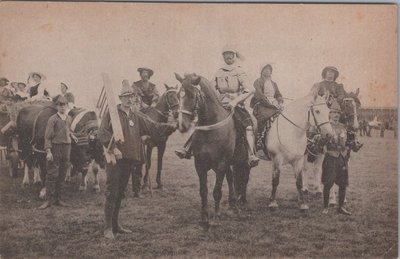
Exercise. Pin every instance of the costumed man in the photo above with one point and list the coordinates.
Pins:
(266, 103)
(68, 95)
(232, 87)
(146, 90)
(35, 89)
(57, 144)
(335, 164)
(129, 156)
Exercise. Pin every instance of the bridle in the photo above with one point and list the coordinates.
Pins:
(169, 105)
(198, 97)
(310, 112)
(199, 100)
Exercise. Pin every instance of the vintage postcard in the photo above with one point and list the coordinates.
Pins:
(207, 130)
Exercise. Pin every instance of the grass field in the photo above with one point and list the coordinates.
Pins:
(167, 223)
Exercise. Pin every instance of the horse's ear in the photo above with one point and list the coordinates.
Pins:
(167, 87)
(176, 87)
(178, 77)
(357, 91)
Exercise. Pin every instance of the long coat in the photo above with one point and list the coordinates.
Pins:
(262, 107)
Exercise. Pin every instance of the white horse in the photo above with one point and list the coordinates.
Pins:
(287, 140)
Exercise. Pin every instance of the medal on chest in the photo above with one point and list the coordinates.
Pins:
(131, 123)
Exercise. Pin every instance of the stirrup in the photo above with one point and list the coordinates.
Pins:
(183, 154)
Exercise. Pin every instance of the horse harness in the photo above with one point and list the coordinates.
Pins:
(199, 97)
(169, 105)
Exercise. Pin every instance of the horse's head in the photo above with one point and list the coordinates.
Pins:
(319, 114)
(350, 106)
(189, 98)
(169, 101)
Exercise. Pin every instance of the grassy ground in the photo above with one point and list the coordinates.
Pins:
(167, 223)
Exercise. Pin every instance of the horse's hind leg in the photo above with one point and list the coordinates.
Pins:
(298, 169)
(160, 155)
(231, 188)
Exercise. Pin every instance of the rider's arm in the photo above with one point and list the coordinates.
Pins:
(278, 95)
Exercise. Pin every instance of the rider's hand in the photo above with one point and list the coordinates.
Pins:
(117, 153)
(49, 155)
(74, 138)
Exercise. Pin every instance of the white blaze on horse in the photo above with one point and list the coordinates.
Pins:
(286, 141)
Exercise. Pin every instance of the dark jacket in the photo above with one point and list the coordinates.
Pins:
(336, 91)
(148, 94)
(259, 96)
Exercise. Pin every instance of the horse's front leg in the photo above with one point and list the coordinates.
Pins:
(275, 182)
(160, 154)
(217, 193)
(202, 174)
(95, 170)
(146, 178)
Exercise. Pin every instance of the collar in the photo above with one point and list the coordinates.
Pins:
(62, 116)
(227, 67)
(119, 107)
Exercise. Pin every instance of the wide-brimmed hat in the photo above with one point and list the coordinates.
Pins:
(233, 49)
(42, 77)
(61, 100)
(14, 84)
(141, 69)
(64, 84)
(334, 69)
(126, 90)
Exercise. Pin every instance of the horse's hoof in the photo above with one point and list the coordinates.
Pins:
(304, 207)
(273, 205)
(43, 193)
(82, 188)
(205, 225)
(96, 188)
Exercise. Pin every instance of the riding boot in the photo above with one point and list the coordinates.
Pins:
(116, 227)
(186, 151)
(108, 216)
(253, 160)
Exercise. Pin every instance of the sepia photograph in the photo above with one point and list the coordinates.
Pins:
(198, 130)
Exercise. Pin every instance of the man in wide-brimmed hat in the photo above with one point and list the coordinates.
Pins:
(329, 84)
(233, 88)
(129, 157)
(146, 89)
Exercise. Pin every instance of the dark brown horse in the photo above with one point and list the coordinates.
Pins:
(216, 142)
(160, 113)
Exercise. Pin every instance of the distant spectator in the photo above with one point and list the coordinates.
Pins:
(68, 95)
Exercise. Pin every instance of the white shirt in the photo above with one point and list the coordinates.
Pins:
(269, 91)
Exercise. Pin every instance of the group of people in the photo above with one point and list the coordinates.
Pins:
(32, 90)
(231, 85)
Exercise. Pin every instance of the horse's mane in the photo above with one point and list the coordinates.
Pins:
(206, 85)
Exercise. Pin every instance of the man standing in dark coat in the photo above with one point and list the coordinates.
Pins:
(129, 156)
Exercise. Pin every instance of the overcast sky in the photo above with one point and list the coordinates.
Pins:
(75, 42)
